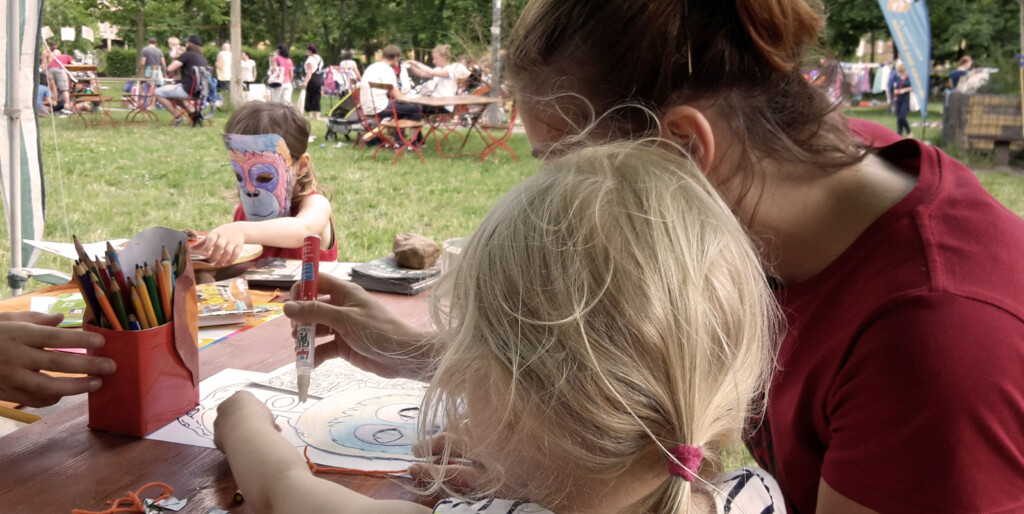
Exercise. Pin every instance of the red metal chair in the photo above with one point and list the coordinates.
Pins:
(495, 136)
(391, 131)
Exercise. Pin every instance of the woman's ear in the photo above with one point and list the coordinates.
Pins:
(689, 128)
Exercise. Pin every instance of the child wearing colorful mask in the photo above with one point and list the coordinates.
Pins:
(604, 337)
(279, 199)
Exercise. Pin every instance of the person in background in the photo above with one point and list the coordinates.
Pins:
(55, 62)
(282, 71)
(605, 372)
(313, 81)
(223, 67)
(901, 93)
(349, 69)
(374, 100)
(963, 67)
(174, 48)
(248, 70)
(153, 66)
(45, 103)
(446, 76)
(173, 96)
(26, 351)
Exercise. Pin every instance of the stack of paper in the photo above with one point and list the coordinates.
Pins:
(385, 275)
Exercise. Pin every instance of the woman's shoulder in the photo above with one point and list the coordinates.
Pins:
(745, 490)
(493, 506)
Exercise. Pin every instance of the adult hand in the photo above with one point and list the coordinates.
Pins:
(365, 332)
(24, 337)
(222, 245)
(459, 474)
(241, 409)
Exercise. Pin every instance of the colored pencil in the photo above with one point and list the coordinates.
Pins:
(163, 289)
(118, 275)
(177, 259)
(85, 286)
(169, 280)
(139, 310)
(104, 277)
(107, 309)
(133, 323)
(112, 254)
(82, 256)
(154, 296)
(118, 304)
(147, 305)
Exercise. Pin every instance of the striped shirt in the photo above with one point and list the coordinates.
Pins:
(741, 491)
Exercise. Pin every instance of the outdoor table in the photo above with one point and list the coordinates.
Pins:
(141, 103)
(57, 464)
(437, 122)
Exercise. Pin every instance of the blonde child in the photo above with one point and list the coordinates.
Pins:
(279, 202)
(604, 337)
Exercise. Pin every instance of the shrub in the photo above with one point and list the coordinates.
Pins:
(120, 63)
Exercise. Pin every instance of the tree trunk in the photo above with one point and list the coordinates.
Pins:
(237, 96)
(140, 33)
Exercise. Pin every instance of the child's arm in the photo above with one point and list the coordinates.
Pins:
(223, 244)
(271, 473)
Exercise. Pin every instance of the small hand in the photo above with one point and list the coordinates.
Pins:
(241, 409)
(459, 474)
(366, 333)
(24, 337)
(223, 245)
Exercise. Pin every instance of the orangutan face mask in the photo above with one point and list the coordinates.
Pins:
(262, 166)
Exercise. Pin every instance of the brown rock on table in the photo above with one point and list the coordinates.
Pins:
(415, 251)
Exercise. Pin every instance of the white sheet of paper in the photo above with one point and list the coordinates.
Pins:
(196, 427)
(67, 33)
(68, 249)
(42, 303)
(46, 32)
(87, 33)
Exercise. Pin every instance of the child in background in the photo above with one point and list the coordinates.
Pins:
(279, 199)
(604, 337)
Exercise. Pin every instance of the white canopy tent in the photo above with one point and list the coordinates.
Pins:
(21, 179)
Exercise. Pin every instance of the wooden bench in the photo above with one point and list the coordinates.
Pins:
(1001, 143)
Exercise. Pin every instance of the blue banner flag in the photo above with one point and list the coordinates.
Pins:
(912, 32)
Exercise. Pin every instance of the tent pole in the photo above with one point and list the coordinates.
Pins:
(13, 114)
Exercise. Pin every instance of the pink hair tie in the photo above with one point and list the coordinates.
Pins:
(689, 458)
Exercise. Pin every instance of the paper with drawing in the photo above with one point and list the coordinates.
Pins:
(366, 422)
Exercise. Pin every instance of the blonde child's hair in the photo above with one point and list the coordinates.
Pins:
(283, 119)
(608, 309)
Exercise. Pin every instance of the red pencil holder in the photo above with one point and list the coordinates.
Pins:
(151, 387)
(157, 377)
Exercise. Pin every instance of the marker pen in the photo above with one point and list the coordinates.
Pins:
(305, 334)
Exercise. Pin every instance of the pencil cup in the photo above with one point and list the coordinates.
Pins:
(151, 386)
(157, 377)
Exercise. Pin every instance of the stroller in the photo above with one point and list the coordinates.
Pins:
(344, 118)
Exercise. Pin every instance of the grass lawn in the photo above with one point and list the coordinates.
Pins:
(108, 183)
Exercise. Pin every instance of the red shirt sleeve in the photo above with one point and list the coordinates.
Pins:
(927, 413)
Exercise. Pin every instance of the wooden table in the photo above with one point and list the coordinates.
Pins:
(447, 126)
(57, 464)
